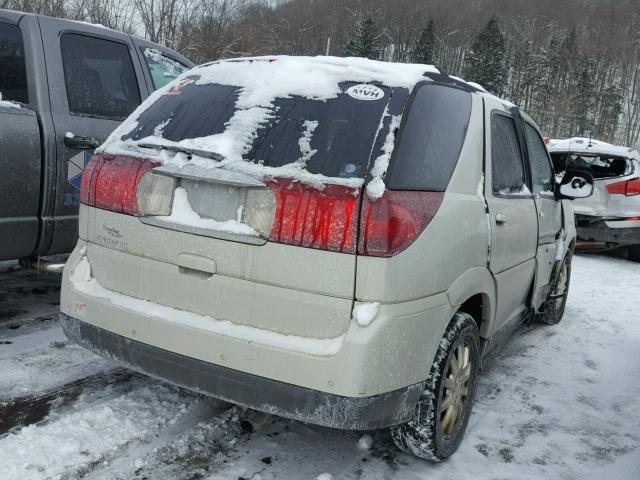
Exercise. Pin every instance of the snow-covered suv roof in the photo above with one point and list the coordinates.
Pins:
(335, 69)
(582, 144)
(260, 85)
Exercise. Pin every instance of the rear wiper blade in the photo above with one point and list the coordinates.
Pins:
(187, 151)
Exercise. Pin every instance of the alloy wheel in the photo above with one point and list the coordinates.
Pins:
(454, 396)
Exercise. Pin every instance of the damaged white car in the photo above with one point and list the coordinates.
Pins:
(611, 216)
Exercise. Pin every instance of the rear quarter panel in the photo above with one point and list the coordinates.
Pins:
(456, 240)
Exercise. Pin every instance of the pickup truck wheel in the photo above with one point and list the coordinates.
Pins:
(552, 309)
(442, 413)
(634, 253)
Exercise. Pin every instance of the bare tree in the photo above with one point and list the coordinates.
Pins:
(162, 19)
(574, 65)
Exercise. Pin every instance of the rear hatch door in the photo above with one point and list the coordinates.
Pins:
(246, 213)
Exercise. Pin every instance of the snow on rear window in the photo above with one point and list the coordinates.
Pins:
(252, 112)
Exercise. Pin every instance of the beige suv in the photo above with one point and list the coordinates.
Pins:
(338, 241)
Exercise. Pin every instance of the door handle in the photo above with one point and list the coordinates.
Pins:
(72, 140)
(197, 263)
(501, 218)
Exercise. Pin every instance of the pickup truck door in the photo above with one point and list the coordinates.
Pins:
(548, 208)
(512, 214)
(95, 82)
(19, 151)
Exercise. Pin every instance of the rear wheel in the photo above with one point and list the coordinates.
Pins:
(442, 413)
(552, 309)
(634, 253)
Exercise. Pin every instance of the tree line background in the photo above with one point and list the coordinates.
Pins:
(574, 65)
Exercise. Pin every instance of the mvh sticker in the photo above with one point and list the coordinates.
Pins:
(365, 91)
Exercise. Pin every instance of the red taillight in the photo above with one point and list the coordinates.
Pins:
(625, 187)
(391, 223)
(326, 219)
(633, 187)
(86, 189)
(309, 217)
(111, 182)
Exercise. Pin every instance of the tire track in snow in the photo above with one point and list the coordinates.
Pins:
(43, 360)
(185, 449)
(23, 411)
(96, 429)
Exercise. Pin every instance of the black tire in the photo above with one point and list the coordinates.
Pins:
(552, 310)
(633, 252)
(426, 435)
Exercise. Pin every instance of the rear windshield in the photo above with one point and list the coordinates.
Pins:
(597, 164)
(334, 137)
(431, 139)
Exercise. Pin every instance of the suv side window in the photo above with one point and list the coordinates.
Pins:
(99, 77)
(541, 171)
(507, 170)
(162, 68)
(13, 73)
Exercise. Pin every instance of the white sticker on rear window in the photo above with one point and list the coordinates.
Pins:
(365, 91)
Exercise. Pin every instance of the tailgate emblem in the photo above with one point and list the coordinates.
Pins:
(111, 237)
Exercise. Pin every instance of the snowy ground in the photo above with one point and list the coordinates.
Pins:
(561, 402)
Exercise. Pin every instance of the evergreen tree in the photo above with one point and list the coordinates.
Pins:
(424, 50)
(486, 63)
(365, 41)
(583, 100)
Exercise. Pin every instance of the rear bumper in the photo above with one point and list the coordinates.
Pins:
(620, 232)
(242, 388)
(368, 377)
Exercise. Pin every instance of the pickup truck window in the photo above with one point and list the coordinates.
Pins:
(541, 171)
(162, 68)
(13, 76)
(507, 171)
(99, 77)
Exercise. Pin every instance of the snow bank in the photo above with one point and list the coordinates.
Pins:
(309, 346)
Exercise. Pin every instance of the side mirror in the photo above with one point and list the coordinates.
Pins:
(575, 184)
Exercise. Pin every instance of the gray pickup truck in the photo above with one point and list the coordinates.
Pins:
(64, 86)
